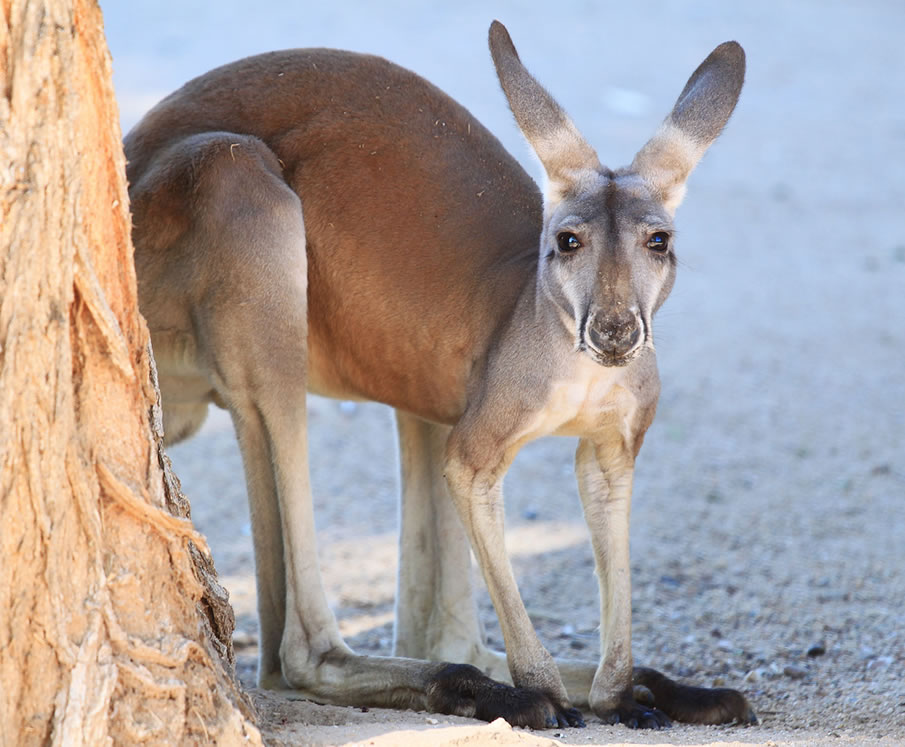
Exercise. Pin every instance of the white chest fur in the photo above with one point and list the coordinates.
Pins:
(591, 397)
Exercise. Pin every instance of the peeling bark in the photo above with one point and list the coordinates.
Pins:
(113, 627)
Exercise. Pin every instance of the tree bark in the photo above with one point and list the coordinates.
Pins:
(112, 625)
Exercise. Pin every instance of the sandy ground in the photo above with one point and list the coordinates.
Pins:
(768, 512)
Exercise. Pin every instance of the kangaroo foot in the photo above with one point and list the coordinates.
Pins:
(463, 690)
(694, 705)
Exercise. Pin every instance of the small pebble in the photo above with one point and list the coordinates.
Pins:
(724, 645)
(530, 514)
(755, 675)
(432, 720)
(719, 682)
(818, 649)
(795, 673)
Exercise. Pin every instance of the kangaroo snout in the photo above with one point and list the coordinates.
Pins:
(612, 340)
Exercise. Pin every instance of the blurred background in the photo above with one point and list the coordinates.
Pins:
(770, 493)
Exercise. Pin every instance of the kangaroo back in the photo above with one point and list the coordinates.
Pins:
(399, 182)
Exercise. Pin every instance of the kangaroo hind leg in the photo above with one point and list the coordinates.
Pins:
(436, 613)
(245, 274)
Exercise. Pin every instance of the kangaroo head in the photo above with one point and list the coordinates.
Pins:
(606, 249)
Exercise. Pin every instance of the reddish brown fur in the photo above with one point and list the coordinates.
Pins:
(471, 251)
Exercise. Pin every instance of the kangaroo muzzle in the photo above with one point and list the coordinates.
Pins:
(613, 340)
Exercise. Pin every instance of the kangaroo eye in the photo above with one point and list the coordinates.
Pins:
(658, 242)
(568, 242)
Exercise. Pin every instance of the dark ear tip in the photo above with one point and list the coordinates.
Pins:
(499, 39)
(732, 52)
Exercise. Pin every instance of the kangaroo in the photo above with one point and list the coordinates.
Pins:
(324, 221)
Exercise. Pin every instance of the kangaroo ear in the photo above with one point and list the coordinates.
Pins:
(700, 113)
(562, 151)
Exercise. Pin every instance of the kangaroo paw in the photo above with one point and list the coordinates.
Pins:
(569, 717)
(634, 715)
(694, 705)
(463, 690)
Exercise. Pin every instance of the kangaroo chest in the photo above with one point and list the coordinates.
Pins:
(590, 400)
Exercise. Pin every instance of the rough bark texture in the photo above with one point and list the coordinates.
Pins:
(112, 625)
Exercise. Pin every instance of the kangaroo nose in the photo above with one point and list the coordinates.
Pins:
(615, 338)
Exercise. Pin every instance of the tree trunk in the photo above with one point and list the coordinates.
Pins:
(112, 625)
